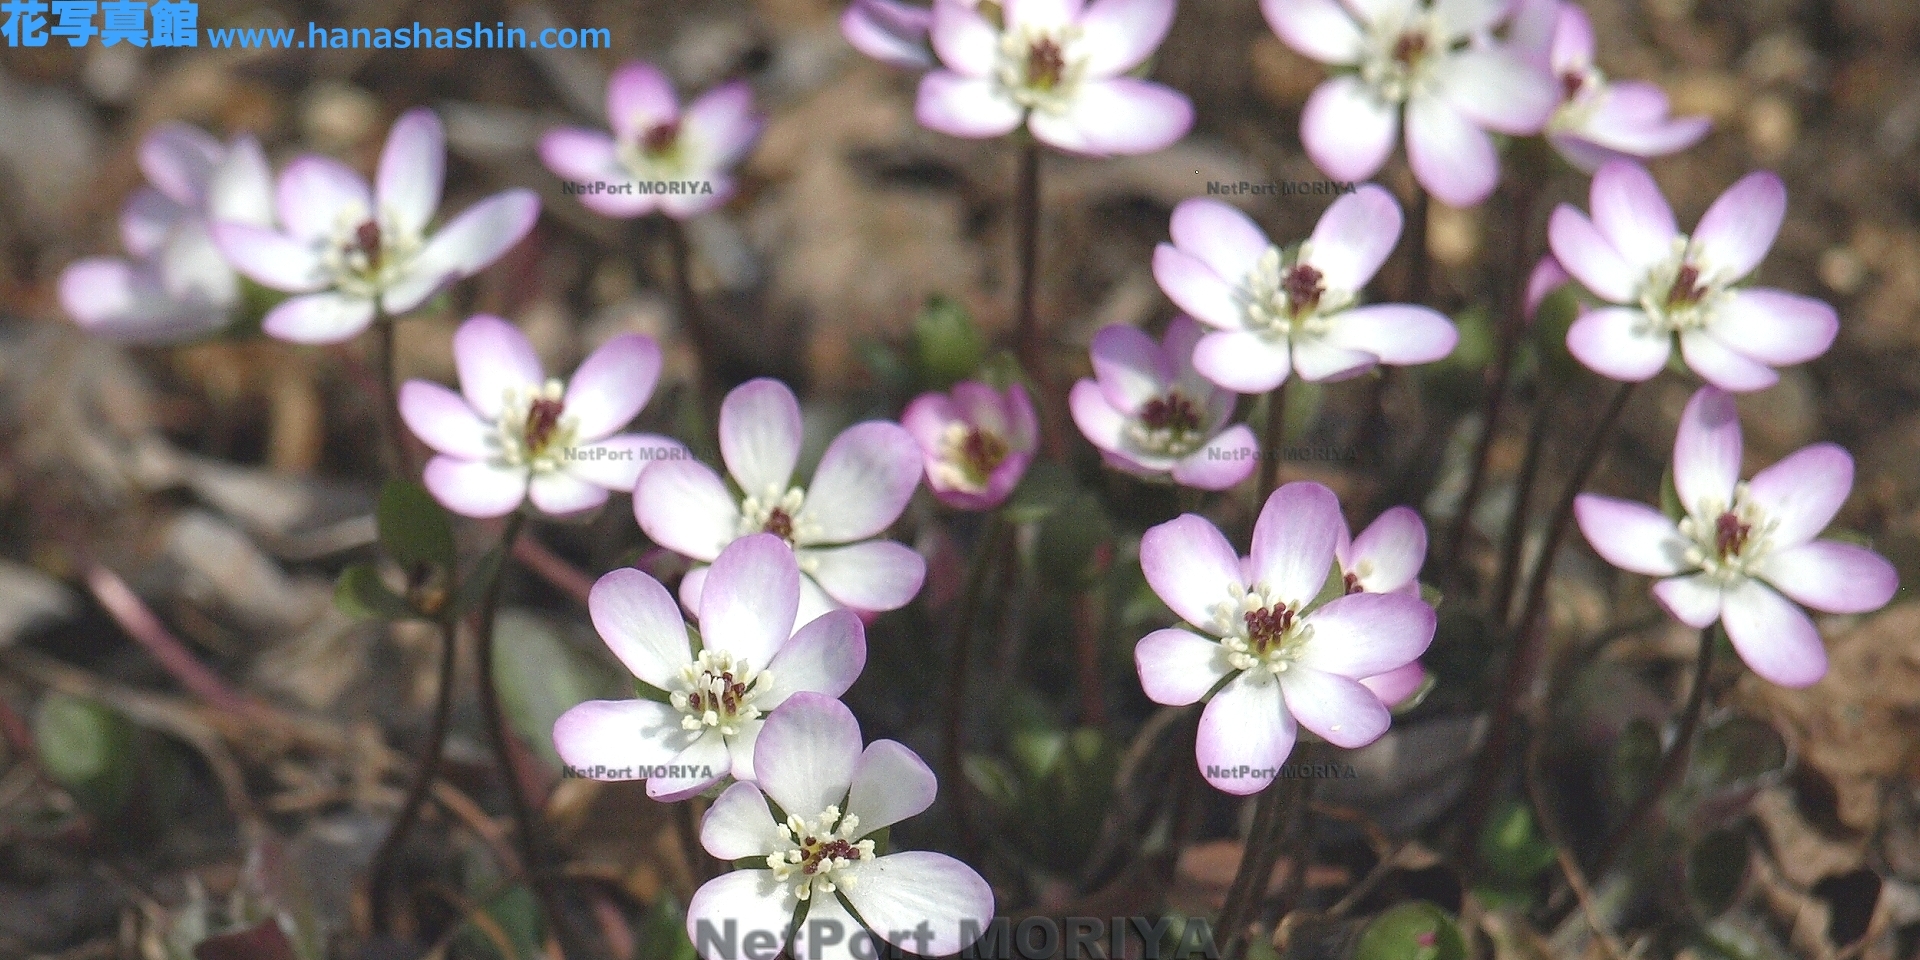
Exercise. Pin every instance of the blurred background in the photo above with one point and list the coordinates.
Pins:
(152, 794)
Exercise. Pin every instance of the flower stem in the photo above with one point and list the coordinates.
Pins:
(1514, 537)
(1257, 857)
(996, 539)
(1086, 646)
(699, 329)
(1419, 263)
(700, 864)
(1529, 645)
(1671, 766)
(1275, 437)
(380, 878)
(1026, 324)
(498, 732)
(398, 464)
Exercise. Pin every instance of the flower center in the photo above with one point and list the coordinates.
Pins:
(534, 429)
(1571, 82)
(1168, 425)
(1289, 300)
(719, 692)
(1352, 581)
(1401, 63)
(1260, 630)
(1728, 541)
(1037, 71)
(779, 524)
(968, 457)
(367, 240)
(661, 138)
(1045, 64)
(817, 852)
(365, 255)
(1680, 295)
(779, 514)
(657, 155)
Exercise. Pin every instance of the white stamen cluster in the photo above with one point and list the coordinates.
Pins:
(967, 462)
(817, 853)
(1273, 311)
(1727, 541)
(1024, 49)
(1244, 650)
(1178, 430)
(359, 269)
(1399, 60)
(775, 512)
(511, 430)
(1672, 310)
(719, 692)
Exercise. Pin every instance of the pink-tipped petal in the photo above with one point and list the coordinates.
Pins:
(618, 739)
(1041, 15)
(1585, 252)
(825, 656)
(1354, 237)
(902, 893)
(1455, 160)
(750, 597)
(1693, 600)
(493, 357)
(1118, 116)
(1497, 90)
(1245, 734)
(559, 494)
(1130, 368)
(1802, 493)
(1347, 129)
(877, 575)
(1364, 634)
(1462, 18)
(966, 43)
(242, 187)
(617, 461)
(1395, 686)
(684, 506)
(1396, 333)
(1293, 541)
(1773, 636)
(443, 420)
(1324, 360)
(639, 98)
(740, 825)
(1221, 237)
(760, 436)
(807, 753)
(474, 488)
(692, 771)
(1197, 288)
(1734, 235)
(1631, 536)
(864, 481)
(586, 156)
(1103, 426)
(612, 384)
(1226, 460)
(318, 318)
(720, 128)
(747, 901)
(1320, 29)
(412, 170)
(1191, 566)
(637, 619)
(1387, 555)
(1832, 577)
(971, 107)
(180, 159)
(1774, 327)
(1718, 363)
(893, 33)
(1178, 667)
(271, 259)
(316, 194)
(1340, 709)
(1630, 212)
(1118, 35)
(1243, 362)
(1547, 276)
(1707, 450)
(1615, 343)
(890, 784)
(477, 237)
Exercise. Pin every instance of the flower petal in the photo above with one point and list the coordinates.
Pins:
(1347, 129)
(749, 901)
(807, 753)
(1718, 363)
(1803, 492)
(180, 159)
(1130, 368)
(493, 357)
(1451, 157)
(1243, 362)
(474, 488)
(1395, 686)
(1340, 709)
(739, 825)
(967, 44)
(574, 153)
(720, 128)
(970, 107)
(1040, 15)
(1774, 327)
(824, 656)
(864, 481)
(619, 739)
(616, 462)
(1116, 116)
(562, 494)
(1496, 89)
(1695, 600)
(751, 593)
(1320, 29)
(1631, 536)
(1706, 452)
(1245, 734)
(1832, 577)
(639, 98)
(317, 194)
(1629, 210)
(1734, 235)
(1178, 667)
(480, 235)
(1103, 426)
(1191, 566)
(271, 259)
(875, 576)
(1321, 360)
(412, 170)
(1118, 35)
(637, 618)
(702, 764)
(318, 318)
(1615, 343)
(1398, 333)
(1388, 554)
(899, 893)
(760, 436)
(1221, 237)
(612, 384)
(890, 784)
(1585, 252)
(1365, 634)
(1293, 541)
(1196, 287)
(1354, 237)
(1226, 460)
(1773, 636)
(242, 187)
(893, 33)
(684, 506)
(443, 420)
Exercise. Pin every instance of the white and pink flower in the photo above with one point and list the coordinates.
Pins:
(512, 433)
(659, 158)
(1661, 285)
(1279, 312)
(350, 251)
(177, 286)
(1420, 57)
(891, 32)
(1278, 662)
(1597, 120)
(1386, 558)
(977, 441)
(750, 659)
(1058, 66)
(823, 855)
(1745, 553)
(864, 481)
(1152, 415)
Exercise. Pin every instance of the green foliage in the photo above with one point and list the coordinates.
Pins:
(1416, 930)
(1047, 487)
(1052, 791)
(540, 677)
(1550, 323)
(414, 528)
(1511, 847)
(88, 749)
(362, 595)
(662, 934)
(946, 345)
(1067, 550)
(513, 913)
(1716, 870)
(1635, 761)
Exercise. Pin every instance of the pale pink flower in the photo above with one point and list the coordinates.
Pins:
(1152, 415)
(977, 442)
(891, 32)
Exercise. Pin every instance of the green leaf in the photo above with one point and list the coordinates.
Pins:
(947, 347)
(1412, 931)
(992, 778)
(1511, 847)
(1635, 760)
(514, 912)
(1716, 870)
(1417, 697)
(414, 528)
(1737, 750)
(663, 931)
(884, 363)
(1047, 487)
(88, 749)
(541, 677)
(1069, 542)
(361, 594)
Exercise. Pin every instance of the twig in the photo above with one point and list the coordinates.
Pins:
(1514, 537)
(140, 622)
(552, 568)
(386, 858)
(966, 611)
